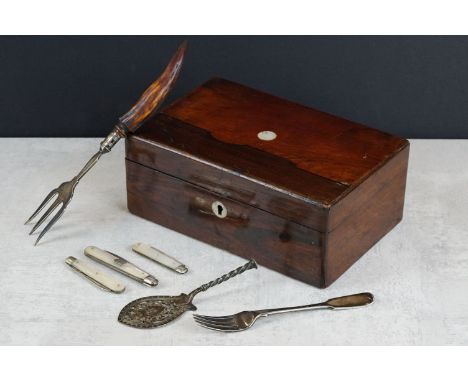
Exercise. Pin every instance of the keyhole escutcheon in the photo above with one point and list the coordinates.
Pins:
(219, 209)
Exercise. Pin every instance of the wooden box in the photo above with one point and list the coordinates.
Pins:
(308, 203)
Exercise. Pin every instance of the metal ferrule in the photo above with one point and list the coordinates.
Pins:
(112, 139)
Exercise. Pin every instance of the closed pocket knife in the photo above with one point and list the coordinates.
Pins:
(100, 279)
(121, 265)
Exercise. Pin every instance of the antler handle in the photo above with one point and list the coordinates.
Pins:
(155, 94)
(251, 264)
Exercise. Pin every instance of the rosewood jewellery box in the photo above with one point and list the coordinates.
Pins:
(303, 192)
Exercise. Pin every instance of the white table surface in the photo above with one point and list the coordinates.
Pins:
(418, 272)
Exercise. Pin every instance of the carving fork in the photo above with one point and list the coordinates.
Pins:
(128, 123)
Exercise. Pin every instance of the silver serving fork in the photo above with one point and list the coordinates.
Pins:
(128, 123)
(244, 320)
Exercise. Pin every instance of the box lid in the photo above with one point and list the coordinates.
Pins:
(314, 160)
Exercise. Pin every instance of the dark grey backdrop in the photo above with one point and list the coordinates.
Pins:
(416, 87)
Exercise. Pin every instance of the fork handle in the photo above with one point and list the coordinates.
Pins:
(147, 104)
(154, 94)
(351, 301)
(343, 302)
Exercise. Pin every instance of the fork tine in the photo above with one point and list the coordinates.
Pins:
(219, 329)
(216, 318)
(42, 205)
(51, 223)
(225, 323)
(231, 328)
(45, 215)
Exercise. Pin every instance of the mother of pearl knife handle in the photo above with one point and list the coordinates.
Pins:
(100, 279)
(159, 257)
(121, 265)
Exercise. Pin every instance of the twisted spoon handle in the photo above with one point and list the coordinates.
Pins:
(251, 264)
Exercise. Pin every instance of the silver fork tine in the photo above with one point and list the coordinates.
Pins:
(51, 223)
(215, 322)
(46, 214)
(213, 326)
(234, 329)
(218, 327)
(215, 318)
(42, 205)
